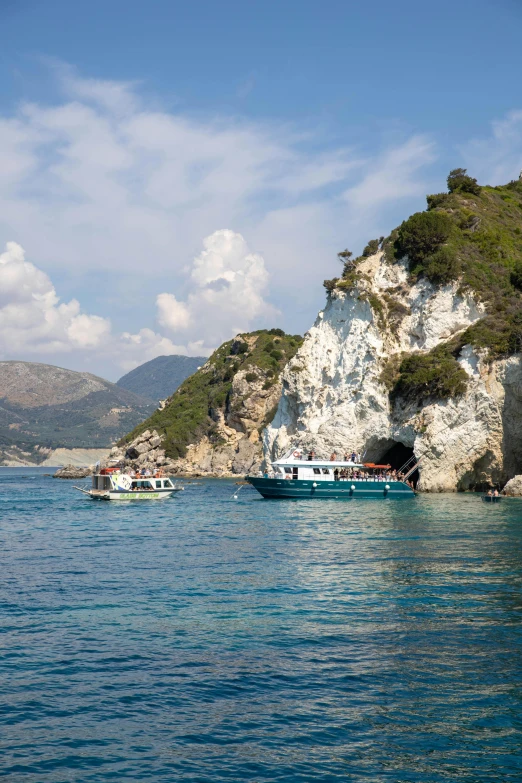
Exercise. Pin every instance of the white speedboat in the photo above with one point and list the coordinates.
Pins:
(112, 484)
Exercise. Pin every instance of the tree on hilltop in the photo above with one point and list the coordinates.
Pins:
(459, 181)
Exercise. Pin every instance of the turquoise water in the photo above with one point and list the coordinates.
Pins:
(210, 639)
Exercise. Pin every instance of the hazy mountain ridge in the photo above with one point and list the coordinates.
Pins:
(160, 377)
(43, 407)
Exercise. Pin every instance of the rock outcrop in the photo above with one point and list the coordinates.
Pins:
(335, 396)
(514, 487)
(73, 472)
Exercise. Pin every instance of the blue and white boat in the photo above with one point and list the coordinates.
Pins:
(295, 476)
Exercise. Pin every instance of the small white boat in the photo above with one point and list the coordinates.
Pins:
(112, 484)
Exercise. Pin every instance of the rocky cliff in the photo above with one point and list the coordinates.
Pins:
(212, 424)
(417, 349)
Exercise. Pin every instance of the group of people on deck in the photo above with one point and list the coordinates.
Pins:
(143, 473)
(347, 474)
(353, 457)
(350, 474)
(348, 457)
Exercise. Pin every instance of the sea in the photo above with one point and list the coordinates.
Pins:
(213, 638)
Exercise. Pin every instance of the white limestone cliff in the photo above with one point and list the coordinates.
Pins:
(333, 398)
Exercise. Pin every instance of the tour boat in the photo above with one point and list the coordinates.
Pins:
(295, 476)
(112, 484)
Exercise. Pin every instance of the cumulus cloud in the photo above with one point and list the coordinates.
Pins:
(171, 313)
(31, 315)
(228, 287)
(34, 322)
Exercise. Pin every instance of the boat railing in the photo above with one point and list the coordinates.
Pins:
(323, 477)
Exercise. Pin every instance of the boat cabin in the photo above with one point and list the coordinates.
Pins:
(294, 466)
(112, 479)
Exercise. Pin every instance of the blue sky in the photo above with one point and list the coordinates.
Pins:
(177, 171)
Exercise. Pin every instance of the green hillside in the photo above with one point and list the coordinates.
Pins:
(190, 412)
(472, 234)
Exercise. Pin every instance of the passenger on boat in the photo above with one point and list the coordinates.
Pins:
(311, 455)
(333, 456)
(336, 474)
(495, 493)
(353, 456)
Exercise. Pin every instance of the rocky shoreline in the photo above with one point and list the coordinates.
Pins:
(146, 452)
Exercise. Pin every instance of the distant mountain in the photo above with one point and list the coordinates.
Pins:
(43, 407)
(160, 377)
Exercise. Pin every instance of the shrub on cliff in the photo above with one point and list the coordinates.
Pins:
(442, 266)
(421, 235)
(436, 375)
(371, 248)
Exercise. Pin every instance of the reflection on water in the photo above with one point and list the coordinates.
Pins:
(203, 638)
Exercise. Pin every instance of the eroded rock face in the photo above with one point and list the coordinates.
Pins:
(333, 397)
(513, 487)
(249, 407)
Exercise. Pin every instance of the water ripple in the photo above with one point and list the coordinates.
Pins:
(204, 639)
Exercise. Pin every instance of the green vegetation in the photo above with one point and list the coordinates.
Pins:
(371, 248)
(472, 234)
(190, 413)
(459, 182)
(421, 238)
(395, 311)
(415, 377)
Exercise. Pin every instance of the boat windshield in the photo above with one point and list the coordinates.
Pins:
(144, 484)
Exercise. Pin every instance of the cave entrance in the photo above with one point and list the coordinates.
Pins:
(397, 455)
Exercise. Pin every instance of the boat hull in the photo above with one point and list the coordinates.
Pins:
(333, 490)
(159, 495)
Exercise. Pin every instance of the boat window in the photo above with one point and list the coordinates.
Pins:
(288, 470)
(326, 470)
(167, 483)
(158, 484)
(317, 471)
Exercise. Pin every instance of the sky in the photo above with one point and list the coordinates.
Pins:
(174, 173)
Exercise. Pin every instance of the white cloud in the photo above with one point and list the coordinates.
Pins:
(34, 322)
(393, 175)
(135, 349)
(113, 197)
(497, 159)
(171, 313)
(31, 316)
(229, 283)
